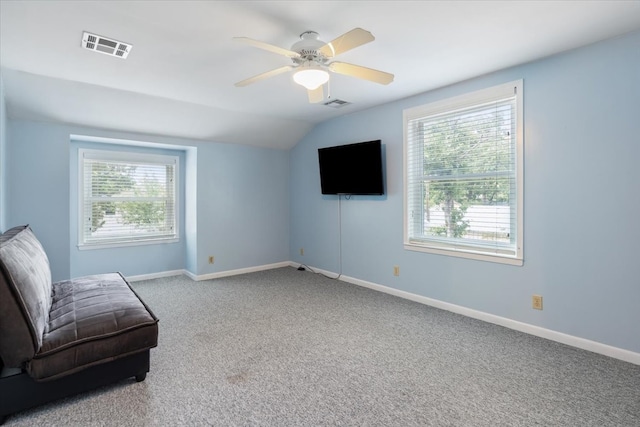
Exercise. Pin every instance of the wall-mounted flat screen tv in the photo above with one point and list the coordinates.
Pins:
(352, 169)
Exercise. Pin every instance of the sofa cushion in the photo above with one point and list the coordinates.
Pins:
(25, 295)
(93, 319)
(8, 235)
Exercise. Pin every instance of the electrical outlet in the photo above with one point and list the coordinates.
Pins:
(302, 251)
(396, 270)
(210, 259)
(536, 302)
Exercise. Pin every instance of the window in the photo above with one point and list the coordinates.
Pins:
(463, 161)
(126, 198)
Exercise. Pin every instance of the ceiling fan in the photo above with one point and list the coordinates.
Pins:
(312, 61)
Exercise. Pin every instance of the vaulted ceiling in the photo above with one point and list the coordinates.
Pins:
(179, 77)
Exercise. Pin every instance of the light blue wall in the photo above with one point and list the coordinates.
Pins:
(243, 198)
(38, 187)
(581, 197)
(3, 156)
(236, 204)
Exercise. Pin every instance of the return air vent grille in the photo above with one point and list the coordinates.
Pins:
(336, 103)
(104, 45)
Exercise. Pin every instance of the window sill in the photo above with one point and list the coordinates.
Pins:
(109, 245)
(468, 254)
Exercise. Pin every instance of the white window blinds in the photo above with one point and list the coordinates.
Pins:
(463, 175)
(127, 197)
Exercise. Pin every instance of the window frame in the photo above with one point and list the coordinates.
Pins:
(449, 105)
(133, 157)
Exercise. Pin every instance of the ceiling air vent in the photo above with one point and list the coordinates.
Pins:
(105, 45)
(336, 103)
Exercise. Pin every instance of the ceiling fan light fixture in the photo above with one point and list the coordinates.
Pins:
(311, 77)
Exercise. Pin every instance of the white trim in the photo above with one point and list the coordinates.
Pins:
(128, 142)
(448, 105)
(451, 251)
(92, 246)
(209, 276)
(130, 157)
(240, 271)
(582, 343)
(327, 273)
(190, 275)
(150, 276)
(462, 101)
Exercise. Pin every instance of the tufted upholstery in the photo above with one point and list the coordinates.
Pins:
(25, 295)
(53, 330)
(93, 319)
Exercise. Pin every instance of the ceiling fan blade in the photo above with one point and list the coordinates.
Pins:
(264, 75)
(267, 46)
(347, 41)
(361, 72)
(316, 95)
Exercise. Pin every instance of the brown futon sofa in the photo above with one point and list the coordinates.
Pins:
(58, 339)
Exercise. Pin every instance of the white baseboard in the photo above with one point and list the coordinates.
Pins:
(190, 275)
(208, 276)
(155, 275)
(584, 344)
(238, 271)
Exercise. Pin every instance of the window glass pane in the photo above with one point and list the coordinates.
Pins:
(468, 209)
(129, 219)
(108, 179)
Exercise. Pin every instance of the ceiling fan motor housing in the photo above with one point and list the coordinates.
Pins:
(309, 48)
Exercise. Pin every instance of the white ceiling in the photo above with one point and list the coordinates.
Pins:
(179, 77)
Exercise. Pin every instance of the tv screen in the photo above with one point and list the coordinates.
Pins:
(352, 169)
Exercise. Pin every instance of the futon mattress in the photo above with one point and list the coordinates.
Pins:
(92, 320)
